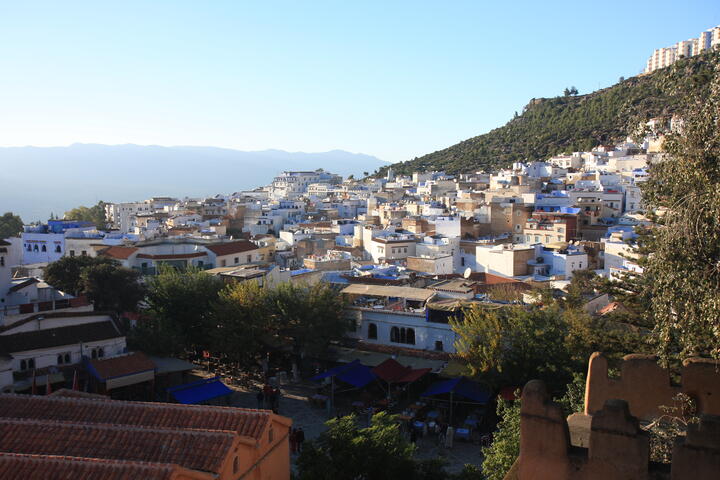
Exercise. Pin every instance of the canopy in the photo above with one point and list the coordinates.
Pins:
(392, 371)
(199, 391)
(354, 373)
(459, 386)
(334, 371)
(408, 293)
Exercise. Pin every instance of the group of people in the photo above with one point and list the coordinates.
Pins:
(444, 433)
(269, 397)
(297, 437)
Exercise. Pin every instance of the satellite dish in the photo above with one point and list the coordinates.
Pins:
(468, 272)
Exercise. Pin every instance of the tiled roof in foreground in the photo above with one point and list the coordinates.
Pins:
(243, 422)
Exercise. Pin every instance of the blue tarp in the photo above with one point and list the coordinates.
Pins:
(199, 391)
(459, 386)
(354, 373)
(358, 376)
(334, 371)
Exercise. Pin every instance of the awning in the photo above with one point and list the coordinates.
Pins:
(459, 386)
(366, 357)
(354, 373)
(200, 391)
(392, 371)
(122, 370)
(408, 293)
(358, 376)
(334, 371)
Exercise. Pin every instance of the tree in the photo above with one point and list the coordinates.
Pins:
(65, 274)
(242, 320)
(566, 92)
(514, 344)
(94, 214)
(180, 307)
(505, 448)
(346, 451)
(684, 264)
(307, 317)
(10, 225)
(112, 287)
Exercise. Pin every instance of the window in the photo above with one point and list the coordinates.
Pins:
(27, 364)
(402, 335)
(580, 265)
(29, 248)
(2, 261)
(438, 343)
(223, 263)
(63, 359)
(237, 260)
(249, 258)
(72, 253)
(101, 352)
(84, 253)
(395, 335)
(35, 248)
(372, 331)
(43, 248)
(57, 249)
(236, 465)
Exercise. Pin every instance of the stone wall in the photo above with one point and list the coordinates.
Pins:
(618, 447)
(646, 386)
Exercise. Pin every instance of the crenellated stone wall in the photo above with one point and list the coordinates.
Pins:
(618, 447)
(646, 386)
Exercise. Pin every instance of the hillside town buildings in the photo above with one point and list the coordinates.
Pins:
(666, 56)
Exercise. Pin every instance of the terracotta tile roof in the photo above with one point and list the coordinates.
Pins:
(17, 466)
(171, 256)
(56, 337)
(196, 450)
(244, 422)
(121, 253)
(229, 248)
(122, 365)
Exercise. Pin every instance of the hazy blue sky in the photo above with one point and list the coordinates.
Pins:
(392, 79)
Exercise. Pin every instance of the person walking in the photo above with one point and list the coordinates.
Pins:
(293, 441)
(299, 439)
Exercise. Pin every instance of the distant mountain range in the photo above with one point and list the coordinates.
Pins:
(35, 181)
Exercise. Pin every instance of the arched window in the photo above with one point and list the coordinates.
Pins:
(31, 363)
(35, 248)
(57, 249)
(101, 353)
(410, 336)
(372, 331)
(29, 248)
(23, 365)
(67, 358)
(93, 354)
(395, 334)
(60, 359)
(43, 248)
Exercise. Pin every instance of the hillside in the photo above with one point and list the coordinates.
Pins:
(550, 126)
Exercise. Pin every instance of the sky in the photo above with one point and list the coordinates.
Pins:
(394, 79)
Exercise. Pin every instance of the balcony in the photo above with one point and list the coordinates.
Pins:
(39, 307)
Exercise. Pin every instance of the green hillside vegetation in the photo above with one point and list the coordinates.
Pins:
(564, 124)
